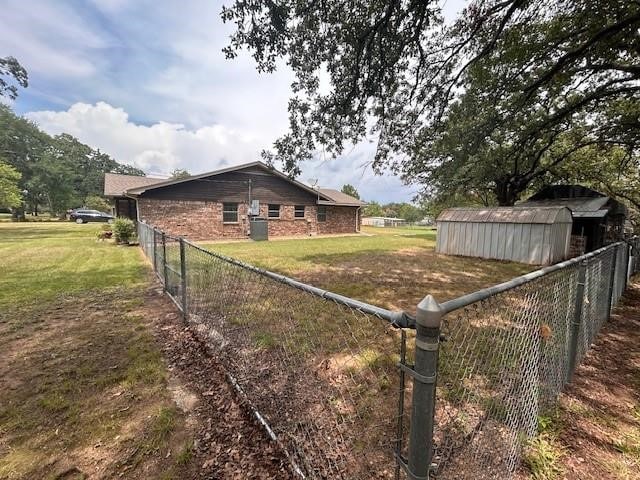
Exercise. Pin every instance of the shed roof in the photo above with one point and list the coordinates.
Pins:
(115, 184)
(583, 202)
(507, 215)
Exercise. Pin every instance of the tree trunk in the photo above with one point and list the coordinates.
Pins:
(505, 192)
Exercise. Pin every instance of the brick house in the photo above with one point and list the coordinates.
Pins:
(220, 204)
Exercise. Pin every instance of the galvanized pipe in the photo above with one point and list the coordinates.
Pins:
(428, 320)
(612, 279)
(183, 278)
(577, 320)
(164, 262)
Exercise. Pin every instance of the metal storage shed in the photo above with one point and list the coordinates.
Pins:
(537, 236)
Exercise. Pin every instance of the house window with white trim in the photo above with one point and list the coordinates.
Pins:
(230, 213)
(274, 210)
(322, 213)
(298, 211)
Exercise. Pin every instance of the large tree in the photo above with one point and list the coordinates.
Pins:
(10, 195)
(492, 103)
(59, 172)
(11, 69)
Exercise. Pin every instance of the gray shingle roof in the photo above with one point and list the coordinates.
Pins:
(339, 198)
(116, 184)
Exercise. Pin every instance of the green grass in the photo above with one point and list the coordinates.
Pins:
(79, 364)
(543, 457)
(383, 267)
(305, 254)
(407, 230)
(40, 261)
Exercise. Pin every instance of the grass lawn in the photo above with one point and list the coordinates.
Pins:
(83, 385)
(41, 261)
(390, 267)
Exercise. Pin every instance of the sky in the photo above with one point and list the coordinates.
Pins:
(151, 87)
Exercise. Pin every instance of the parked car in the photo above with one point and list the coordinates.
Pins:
(84, 216)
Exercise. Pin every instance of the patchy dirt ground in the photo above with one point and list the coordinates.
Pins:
(598, 432)
(109, 384)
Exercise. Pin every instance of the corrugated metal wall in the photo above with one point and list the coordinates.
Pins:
(532, 243)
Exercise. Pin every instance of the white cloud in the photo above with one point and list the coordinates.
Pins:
(50, 39)
(158, 148)
(163, 146)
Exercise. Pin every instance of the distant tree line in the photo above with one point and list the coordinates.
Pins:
(52, 173)
(38, 171)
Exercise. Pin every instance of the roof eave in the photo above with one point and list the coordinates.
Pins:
(340, 204)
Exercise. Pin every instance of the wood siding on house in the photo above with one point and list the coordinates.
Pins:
(234, 187)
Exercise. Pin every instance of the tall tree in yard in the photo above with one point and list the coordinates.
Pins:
(10, 194)
(491, 104)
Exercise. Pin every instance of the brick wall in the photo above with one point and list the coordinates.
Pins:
(287, 224)
(202, 220)
(339, 220)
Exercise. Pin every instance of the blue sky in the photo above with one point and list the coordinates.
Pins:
(147, 83)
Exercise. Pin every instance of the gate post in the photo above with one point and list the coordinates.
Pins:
(428, 320)
(155, 247)
(164, 261)
(183, 278)
(577, 320)
(627, 257)
(612, 279)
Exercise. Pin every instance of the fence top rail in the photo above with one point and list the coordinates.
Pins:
(465, 300)
(397, 319)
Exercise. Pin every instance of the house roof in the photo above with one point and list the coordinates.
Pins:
(139, 190)
(338, 198)
(115, 184)
(517, 214)
(120, 185)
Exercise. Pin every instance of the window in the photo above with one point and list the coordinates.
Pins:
(322, 213)
(230, 213)
(274, 210)
(298, 211)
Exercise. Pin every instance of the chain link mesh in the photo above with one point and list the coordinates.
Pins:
(173, 268)
(324, 375)
(505, 360)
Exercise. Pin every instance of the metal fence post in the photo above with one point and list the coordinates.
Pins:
(577, 320)
(164, 261)
(428, 319)
(183, 278)
(627, 257)
(612, 280)
(155, 246)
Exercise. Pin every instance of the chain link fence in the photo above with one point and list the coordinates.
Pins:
(332, 380)
(507, 353)
(319, 370)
